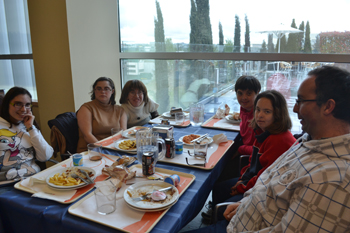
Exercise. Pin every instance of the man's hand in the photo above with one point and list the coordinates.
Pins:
(231, 210)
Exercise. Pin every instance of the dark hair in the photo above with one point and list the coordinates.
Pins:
(333, 83)
(10, 95)
(130, 86)
(111, 83)
(248, 82)
(282, 121)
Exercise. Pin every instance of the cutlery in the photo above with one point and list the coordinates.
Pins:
(143, 197)
(200, 138)
(74, 175)
(87, 175)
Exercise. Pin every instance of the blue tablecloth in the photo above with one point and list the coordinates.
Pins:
(22, 213)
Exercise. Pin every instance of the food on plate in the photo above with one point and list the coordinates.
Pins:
(127, 145)
(126, 160)
(65, 178)
(175, 110)
(129, 193)
(227, 109)
(119, 174)
(236, 116)
(188, 138)
(158, 196)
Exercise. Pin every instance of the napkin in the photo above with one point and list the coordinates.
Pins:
(219, 138)
(221, 113)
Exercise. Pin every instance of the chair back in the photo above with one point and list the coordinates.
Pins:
(67, 124)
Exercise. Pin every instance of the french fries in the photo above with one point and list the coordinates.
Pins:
(63, 180)
(127, 145)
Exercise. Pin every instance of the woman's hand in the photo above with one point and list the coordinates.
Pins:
(28, 119)
(231, 210)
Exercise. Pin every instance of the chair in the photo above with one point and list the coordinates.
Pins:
(219, 208)
(64, 134)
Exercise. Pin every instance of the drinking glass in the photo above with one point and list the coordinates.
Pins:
(197, 114)
(105, 196)
(95, 150)
(179, 118)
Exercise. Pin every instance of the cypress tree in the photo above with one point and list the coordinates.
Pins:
(161, 66)
(283, 42)
(221, 35)
(307, 46)
(194, 27)
(292, 44)
(263, 50)
(270, 45)
(247, 36)
(237, 36)
(301, 37)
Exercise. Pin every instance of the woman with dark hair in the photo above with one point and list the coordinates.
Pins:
(271, 123)
(97, 117)
(138, 106)
(20, 141)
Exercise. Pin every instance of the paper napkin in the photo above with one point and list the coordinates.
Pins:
(219, 138)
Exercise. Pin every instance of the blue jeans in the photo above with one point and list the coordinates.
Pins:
(220, 226)
(221, 192)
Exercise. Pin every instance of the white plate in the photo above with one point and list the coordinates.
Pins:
(231, 120)
(168, 115)
(152, 210)
(148, 186)
(58, 187)
(131, 133)
(122, 140)
(208, 140)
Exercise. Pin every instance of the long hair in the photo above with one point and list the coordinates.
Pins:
(282, 121)
(130, 86)
(111, 83)
(9, 96)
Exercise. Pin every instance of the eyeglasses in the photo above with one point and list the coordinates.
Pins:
(298, 101)
(100, 89)
(19, 105)
(136, 93)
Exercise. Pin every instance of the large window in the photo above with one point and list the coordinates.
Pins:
(16, 62)
(193, 50)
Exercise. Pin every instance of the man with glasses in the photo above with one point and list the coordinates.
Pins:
(307, 189)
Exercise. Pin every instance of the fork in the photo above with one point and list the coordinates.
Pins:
(74, 175)
(143, 197)
(87, 175)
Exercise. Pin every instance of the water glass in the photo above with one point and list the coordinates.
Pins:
(200, 150)
(179, 118)
(95, 150)
(105, 196)
(197, 114)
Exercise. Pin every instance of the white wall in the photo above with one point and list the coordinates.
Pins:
(93, 44)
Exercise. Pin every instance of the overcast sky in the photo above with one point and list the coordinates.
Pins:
(137, 17)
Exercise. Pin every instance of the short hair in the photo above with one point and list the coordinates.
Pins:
(282, 121)
(333, 83)
(111, 83)
(130, 86)
(9, 96)
(248, 82)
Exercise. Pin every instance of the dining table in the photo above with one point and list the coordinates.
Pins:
(22, 213)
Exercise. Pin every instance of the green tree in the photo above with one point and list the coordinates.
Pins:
(247, 36)
(228, 46)
(270, 45)
(301, 37)
(307, 46)
(263, 50)
(292, 43)
(283, 42)
(317, 44)
(201, 38)
(237, 36)
(221, 35)
(161, 66)
(169, 45)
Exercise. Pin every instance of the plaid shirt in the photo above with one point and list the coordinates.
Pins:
(304, 190)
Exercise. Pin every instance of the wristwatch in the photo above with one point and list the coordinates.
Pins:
(29, 129)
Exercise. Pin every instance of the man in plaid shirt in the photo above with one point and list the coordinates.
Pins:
(307, 189)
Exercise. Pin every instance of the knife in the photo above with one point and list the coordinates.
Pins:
(87, 175)
(201, 137)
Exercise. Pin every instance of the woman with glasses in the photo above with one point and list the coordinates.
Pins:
(139, 108)
(20, 140)
(97, 117)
